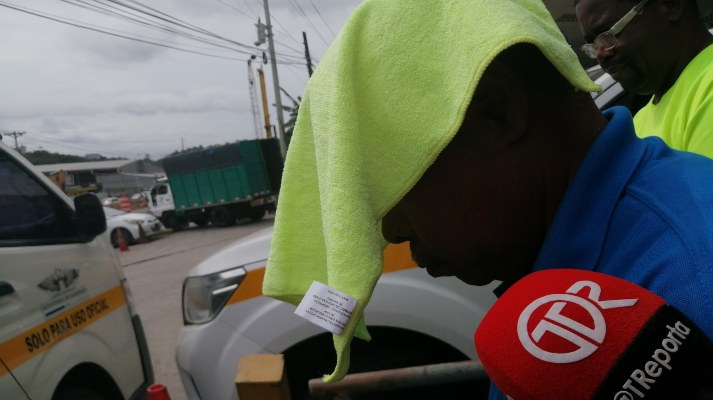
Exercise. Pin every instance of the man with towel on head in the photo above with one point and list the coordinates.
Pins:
(466, 128)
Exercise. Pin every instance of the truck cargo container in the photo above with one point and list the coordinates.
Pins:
(219, 185)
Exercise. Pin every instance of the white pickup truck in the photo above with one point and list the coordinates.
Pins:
(413, 319)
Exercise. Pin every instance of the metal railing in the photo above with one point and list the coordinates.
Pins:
(394, 379)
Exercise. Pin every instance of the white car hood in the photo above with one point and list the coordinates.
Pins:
(246, 250)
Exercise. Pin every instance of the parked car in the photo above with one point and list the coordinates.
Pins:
(110, 202)
(413, 319)
(130, 224)
(139, 200)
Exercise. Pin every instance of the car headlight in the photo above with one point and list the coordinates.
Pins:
(205, 296)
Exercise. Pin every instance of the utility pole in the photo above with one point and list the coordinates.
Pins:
(265, 108)
(309, 60)
(275, 81)
(254, 100)
(15, 134)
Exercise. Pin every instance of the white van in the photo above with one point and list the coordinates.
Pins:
(68, 330)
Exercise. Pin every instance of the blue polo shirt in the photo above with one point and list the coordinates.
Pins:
(641, 211)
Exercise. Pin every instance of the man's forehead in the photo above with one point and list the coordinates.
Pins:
(602, 6)
(597, 16)
(605, 2)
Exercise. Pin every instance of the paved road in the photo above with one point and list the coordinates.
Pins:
(155, 271)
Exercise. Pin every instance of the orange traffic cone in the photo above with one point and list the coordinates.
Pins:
(157, 391)
(123, 246)
(124, 203)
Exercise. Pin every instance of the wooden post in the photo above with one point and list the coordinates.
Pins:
(262, 377)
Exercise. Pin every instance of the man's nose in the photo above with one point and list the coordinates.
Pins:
(395, 227)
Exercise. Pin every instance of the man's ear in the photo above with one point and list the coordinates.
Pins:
(500, 102)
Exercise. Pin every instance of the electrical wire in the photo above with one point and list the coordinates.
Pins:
(291, 69)
(169, 18)
(136, 12)
(299, 9)
(158, 15)
(286, 46)
(322, 18)
(283, 58)
(235, 9)
(144, 22)
(255, 14)
(284, 30)
(77, 25)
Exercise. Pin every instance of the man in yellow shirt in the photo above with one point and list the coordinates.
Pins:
(659, 48)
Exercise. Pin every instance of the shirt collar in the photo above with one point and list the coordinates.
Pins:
(576, 236)
(578, 231)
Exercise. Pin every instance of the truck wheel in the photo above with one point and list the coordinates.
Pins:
(128, 238)
(257, 214)
(176, 223)
(200, 219)
(223, 216)
(389, 348)
(77, 393)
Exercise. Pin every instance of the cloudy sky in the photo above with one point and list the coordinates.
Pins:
(76, 91)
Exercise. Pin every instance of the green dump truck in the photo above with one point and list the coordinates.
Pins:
(219, 185)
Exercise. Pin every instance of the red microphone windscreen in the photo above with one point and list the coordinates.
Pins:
(562, 333)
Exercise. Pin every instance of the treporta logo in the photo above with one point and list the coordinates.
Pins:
(584, 338)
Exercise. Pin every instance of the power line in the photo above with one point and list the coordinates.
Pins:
(186, 24)
(291, 59)
(145, 23)
(255, 14)
(235, 9)
(304, 14)
(77, 25)
(284, 30)
(291, 69)
(322, 18)
(161, 16)
(288, 47)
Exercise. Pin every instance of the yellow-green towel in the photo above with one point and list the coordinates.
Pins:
(387, 97)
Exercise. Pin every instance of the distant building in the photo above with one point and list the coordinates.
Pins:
(93, 157)
(113, 177)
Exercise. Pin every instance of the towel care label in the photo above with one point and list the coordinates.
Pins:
(326, 307)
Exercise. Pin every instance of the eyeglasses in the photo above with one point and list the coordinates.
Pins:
(607, 40)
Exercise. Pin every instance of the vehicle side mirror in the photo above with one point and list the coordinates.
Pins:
(91, 221)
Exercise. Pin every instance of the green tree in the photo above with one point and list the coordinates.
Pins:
(290, 124)
(41, 157)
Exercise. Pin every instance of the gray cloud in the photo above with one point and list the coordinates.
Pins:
(78, 92)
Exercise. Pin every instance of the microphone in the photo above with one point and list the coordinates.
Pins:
(574, 334)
